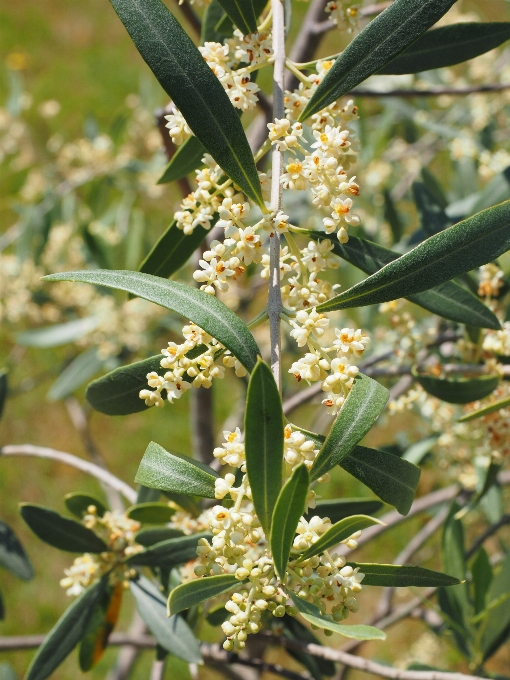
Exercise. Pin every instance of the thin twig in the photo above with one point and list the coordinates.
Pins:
(191, 17)
(68, 459)
(157, 670)
(490, 531)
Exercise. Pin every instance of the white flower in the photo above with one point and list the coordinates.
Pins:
(254, 48)
(298, 449)
(310, 368)
(294, 179)
(222, 487)
(178, 127)
(232, 452)
(309, 533)
(311, 322)
(350, 342)
(341, 378)
(214, 53)
(318, 256)
(214, 272)
(241, 91)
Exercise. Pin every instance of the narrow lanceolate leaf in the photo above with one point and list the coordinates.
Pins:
(459, 249)
(364, 404)
(194, 592)
(172, 251)
(481, 412)
(65, 635)
(449, 45)
(344, 507)
(169, 471)
(186, 159)
(382, 40)
(12, 555)
(448, 300)
(101, 622)
(457, 391)
(497, 627)
(61, 532)
(212, 16)
(173, 634)
(339, 532)
(82, 369)
(79, 503)
(312, 614)
(392, 479)
(168, 553)
(117, 392)
(288, 510)
(148, 537)
(263, 431)
(396, 576)
(242, 13)
(204, 310)
(151, 513)
(196, 91)
(59, 334)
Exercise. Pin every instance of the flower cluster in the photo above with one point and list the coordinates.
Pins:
(118, 532)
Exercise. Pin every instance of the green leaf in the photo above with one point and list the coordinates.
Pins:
(344, 507)
(289, 508)
(417, 451)
(151, 513)
(339, 532)
(170, 471)
(454, 563)
(65, 635)
(457, 390)
(293, 629)
(497, 627)
(146, 495)
(59, 334)
(217, 617)
(173, 634)
(172, 251)
(454, 251)
(186, 159)
(481, 572)
(242, 14)
(194, 592)
(7, 672)
(263, 432)
(102, 620)
(205, 310)
(78, 372)
(61, 532)
(432, 215)
(213, 14)
(392, 479)
(116, 393)
(184, 502)
(12, 554)
(196, 91)
(148, 537)
(363, 405)
(168, 553)
(312, 614)
(449, 45)
(448, 300)
(78, 504)
(397, 576)
(3, 391)
(382, 40)
(484, 411)
(392, 216)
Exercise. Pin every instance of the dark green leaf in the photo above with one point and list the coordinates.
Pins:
(168, 553)
(293, 629)
(481, 412)
(196, 91)
(102, 620)
(481, 571)
(183, 501)
(60, 334)
(78, 504)
(146, 495)
(148, 537)
(391, 215)
(454, 563)
(186, 159)
(173, 634)
(65, 635)
(151, 513)
(432, 215)
(263, 428)
(465, 246)
(194, 592)
(396, 576)
(363, 405)
(449, 45)
(242, 13)
(344, 507)
(172, 251)
(457, 391)
(2, 608)
(212, 15)
(61, 532)
(171, 471)
(392, 479)
(289, 508)
(339, 532)
(203, 309)
(3, 391)
(12, 555)
(217, 617)
(312, 614)
(81, 369)
(117, 392)
(497, 628)
(382, 40)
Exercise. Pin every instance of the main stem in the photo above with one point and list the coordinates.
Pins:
(274, 303)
